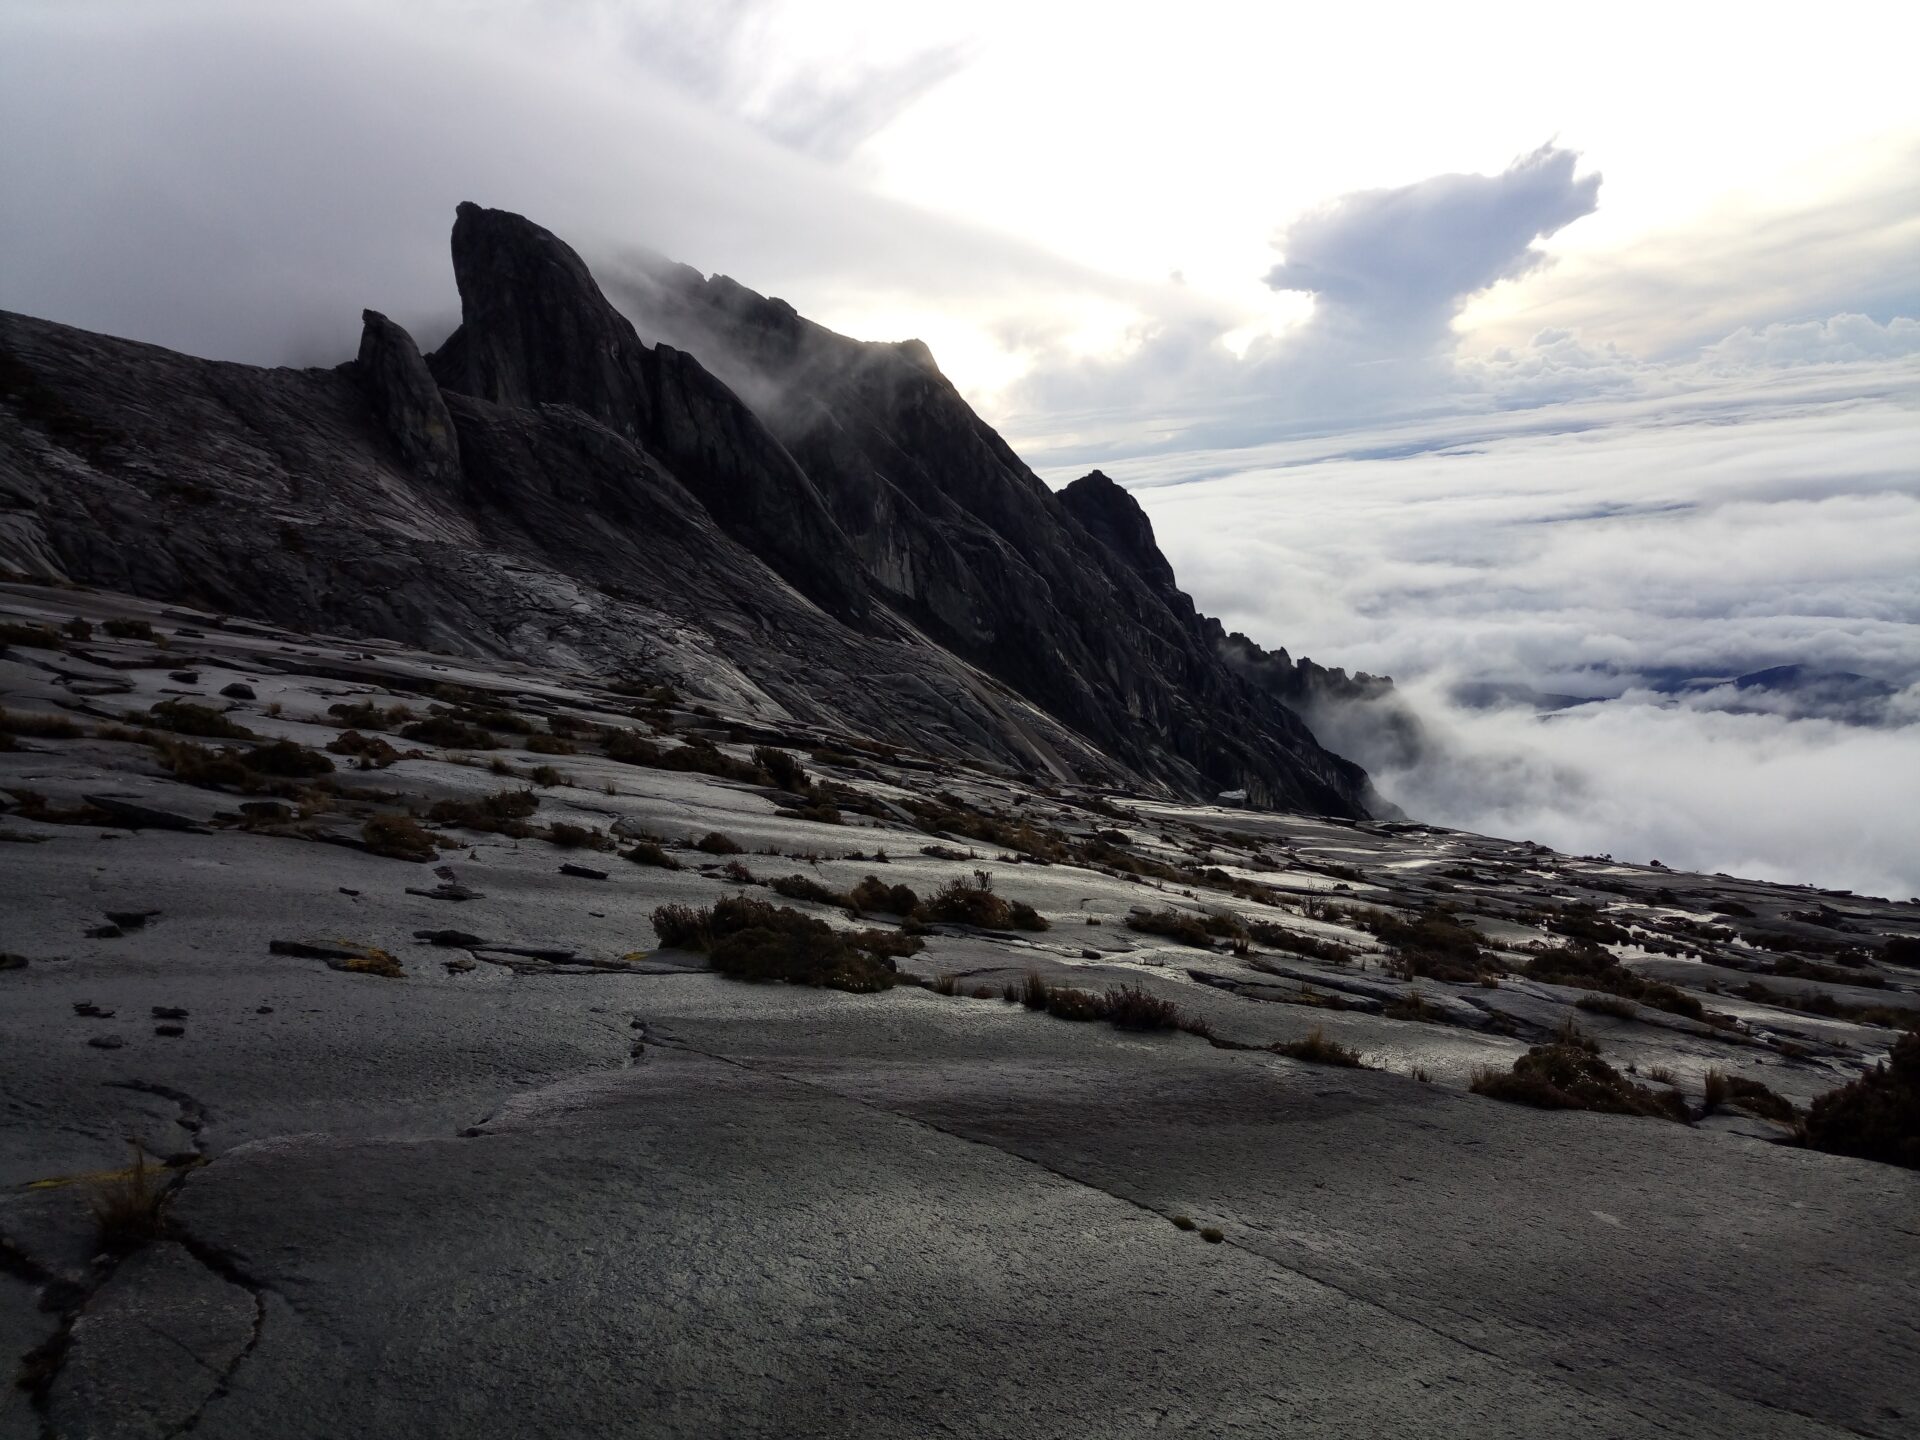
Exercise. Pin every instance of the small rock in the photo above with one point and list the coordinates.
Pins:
(583, 872)
(169, 1012)
(237, 691)
(345, 891)
(13, 962)
(459, 938)
(185, 677)
(105, 1042)
(170, 1030)
(130, 919)
(141, 817)
(91, 1010)
(263, 1010)
(105, 932)
(1089, 954)
(446, 890)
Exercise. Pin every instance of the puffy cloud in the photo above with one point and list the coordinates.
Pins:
(1841, 339)
(1389, 269)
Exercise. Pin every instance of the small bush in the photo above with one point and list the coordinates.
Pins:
(128, 629)
(1133, 1007)
(1212, 1235)
(751, 939)
(547, 777)
(365, 715)
(1569, 1076)
(648, 852)
(945, 985)
(569, 836)
(715, 843)
(781, 768)
(1184, 1222)
(963, 902)
(1034, 991)
(1588, 967)
(183, 717)
(1279, 937)
(550, 745)
(1724, 1089)
(503, 813)
(1319, 1049)
(802, 887)
(449, 734)
(399, 837)
(1068, 1004)
(372, 752)
(1876, 1117)
(35, 637)
(288, 760)
(873, 893)
(1600, 1003)
(1195, 930)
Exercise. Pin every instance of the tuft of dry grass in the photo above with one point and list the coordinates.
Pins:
(1320, 1049)
(38, 727)
(128, 1208)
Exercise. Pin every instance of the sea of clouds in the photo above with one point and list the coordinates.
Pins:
(1602, 550)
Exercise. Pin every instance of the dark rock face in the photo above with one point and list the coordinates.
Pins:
(795, 522)
(406, 399)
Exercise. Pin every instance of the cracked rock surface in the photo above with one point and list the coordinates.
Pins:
(527, 1172)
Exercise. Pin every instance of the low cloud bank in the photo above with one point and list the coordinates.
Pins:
(1639, 554)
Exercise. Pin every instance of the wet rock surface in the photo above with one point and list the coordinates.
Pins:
(512, 1166)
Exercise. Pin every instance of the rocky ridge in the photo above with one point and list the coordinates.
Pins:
(764, 514)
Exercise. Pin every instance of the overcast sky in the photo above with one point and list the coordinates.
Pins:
(1555, 346)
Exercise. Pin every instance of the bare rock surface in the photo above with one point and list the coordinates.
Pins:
(513, 1166)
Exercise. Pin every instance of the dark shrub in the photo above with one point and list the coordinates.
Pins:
(781, 768)
(753, 940)
(715, 843)
(1066, 1004)
(288, 760)
(1568, 1075)
(1876, 1117)
(1133, 1007)
(1196, 930)
(128, 629)
(873, 893)
(577, 837)
(399, 837)
(1588, 967)
(962, 902)
(550, 745)
(802, 887)
(183, 717)
(365, 715)
(1724, 1089)
(373, 752)
(449, 733)
(1279, 937)
(648, 852)
(36, 637)
(503, 813)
